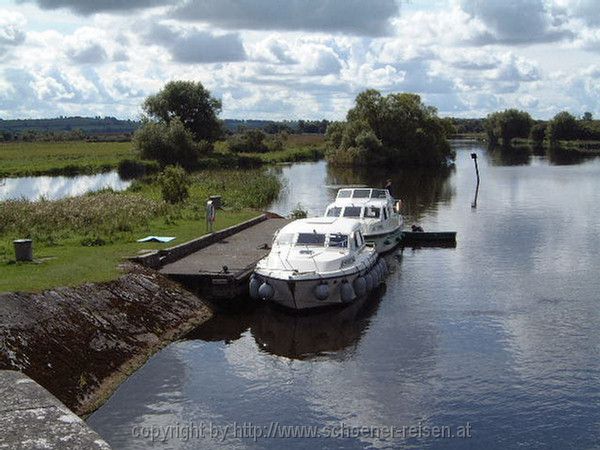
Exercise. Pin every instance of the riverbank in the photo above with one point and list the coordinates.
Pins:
(81, 343)
(70, 158)
(579, 146)
(61, 158)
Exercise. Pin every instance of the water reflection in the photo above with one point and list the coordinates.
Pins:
(295, 336)
(511, 156)
(54, 188)
(522, 155)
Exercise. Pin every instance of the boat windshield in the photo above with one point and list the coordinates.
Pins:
(379, 193)
(371, 212)
(284, 239)
(334, 211)
(361, 193)
(338, 240)
(352, 211)
(344, 193)
(313, 239)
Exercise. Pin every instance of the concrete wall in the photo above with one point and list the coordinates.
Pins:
(34, 418)
(159, 258)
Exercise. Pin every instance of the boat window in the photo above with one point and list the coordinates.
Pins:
(371, 212)
(284, 239)
(385, 214)
(315, 239)
(344, 193)
(355, 240)
(379, 193)
(334, 212)
(361, 193)
(338, 240)
(352, 211)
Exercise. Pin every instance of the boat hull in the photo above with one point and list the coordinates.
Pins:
(385, 242)
(300, 293)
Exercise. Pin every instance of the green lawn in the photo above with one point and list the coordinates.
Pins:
(71, 264)
(56, 158)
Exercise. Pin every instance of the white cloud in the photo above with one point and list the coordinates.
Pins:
(465, 57)
(12, 30)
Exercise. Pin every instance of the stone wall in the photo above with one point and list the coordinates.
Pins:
(81, 343)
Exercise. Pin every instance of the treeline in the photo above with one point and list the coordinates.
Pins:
(503, 127)
(113, 129)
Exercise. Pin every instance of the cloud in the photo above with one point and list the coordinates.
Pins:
(195, 46)
(587, 10)
(88, 7)
(86, 46)
(516, 21)
(331, 16)
(12, 30)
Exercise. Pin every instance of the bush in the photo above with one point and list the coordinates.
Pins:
(168, 144)
(298, 213)
(174, 183)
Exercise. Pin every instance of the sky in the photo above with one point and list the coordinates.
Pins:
(299, 59)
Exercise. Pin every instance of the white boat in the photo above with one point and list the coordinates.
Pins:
(317, 262)
(376, 209)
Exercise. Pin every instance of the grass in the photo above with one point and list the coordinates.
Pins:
(290, 154)
(83, 239)
(71, 264)
(61, 158)
(297, 147)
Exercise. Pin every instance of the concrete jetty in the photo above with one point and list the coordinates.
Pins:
(32, 418)
(218, 265)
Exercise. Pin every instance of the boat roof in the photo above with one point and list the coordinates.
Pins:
(363, 192)
(323, 225)
(341, 202)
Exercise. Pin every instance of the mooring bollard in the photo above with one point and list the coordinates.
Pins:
(23, 249)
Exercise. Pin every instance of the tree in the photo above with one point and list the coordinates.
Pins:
(587, 116)
(192, 104)
(507, 125)
(563, 126)
(396, 129)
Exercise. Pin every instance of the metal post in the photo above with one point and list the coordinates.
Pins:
(474, 157)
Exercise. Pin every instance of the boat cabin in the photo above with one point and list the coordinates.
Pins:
(321, 232)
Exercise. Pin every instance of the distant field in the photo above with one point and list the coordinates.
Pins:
(58, 158)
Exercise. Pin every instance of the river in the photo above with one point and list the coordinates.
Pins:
(57, 187)
(499, 336)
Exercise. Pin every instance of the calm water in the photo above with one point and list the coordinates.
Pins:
(501, 332)
(53, 188)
